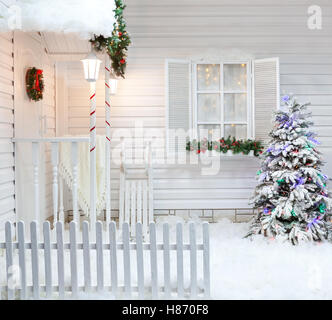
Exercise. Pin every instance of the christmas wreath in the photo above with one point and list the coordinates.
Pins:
(35, 84)
(117, 45)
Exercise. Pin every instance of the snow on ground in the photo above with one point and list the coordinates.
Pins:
(263, 269)
(240, 268)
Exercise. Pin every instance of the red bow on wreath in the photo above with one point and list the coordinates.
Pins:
(38, 73)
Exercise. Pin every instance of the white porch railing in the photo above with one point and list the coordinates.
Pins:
(136, 192)
(57, 182)
(54, 282)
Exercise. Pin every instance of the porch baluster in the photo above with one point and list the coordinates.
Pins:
(74, 159)
(55, 163)
(35, 161)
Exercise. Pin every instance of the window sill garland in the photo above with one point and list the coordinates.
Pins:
(226, 147)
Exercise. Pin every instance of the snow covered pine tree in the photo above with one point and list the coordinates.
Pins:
(292, 196)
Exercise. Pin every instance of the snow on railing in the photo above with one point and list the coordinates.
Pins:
(87, 261)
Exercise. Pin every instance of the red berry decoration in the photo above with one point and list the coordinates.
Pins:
(122, 61)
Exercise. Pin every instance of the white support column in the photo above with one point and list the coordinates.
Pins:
(55, 163)
(74, 161)
(93, 182)
(108, 139)
(35, 162)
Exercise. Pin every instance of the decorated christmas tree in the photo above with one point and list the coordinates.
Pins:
(292, 197)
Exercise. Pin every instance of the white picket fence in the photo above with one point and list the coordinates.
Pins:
(50, 255)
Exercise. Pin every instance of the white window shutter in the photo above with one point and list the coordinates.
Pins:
(178, 106)
(266, 94)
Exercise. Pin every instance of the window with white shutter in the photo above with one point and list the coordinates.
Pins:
(218, 99)
(266, 93)
(178, 106)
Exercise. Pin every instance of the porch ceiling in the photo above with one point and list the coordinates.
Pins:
(65, 43)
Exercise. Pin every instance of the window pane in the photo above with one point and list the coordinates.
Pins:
(208, 76)
(235, 106)
(239, 131)
(210, 131)
(208, 107)
(235, 77)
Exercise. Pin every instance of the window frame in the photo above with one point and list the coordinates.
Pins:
(222, 92)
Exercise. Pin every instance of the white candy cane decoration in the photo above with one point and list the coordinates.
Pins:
(93, 182)
(108, 139)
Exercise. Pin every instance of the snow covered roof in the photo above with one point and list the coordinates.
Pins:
(83, 17)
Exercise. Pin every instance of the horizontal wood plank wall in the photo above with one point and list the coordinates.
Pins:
(7, 164)
(183, 28)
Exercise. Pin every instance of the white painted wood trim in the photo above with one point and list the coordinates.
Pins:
(86, 256)
(73, 259)
(34, 259)
(179, 260)
(60, 259)
(167, 266)
(126, 260)
(113, 257)
(21, 248)
(100, 257)
(153, 261)
(140, 260)
(59, 287)
(193, 261)
(206, 260)
(47, 259)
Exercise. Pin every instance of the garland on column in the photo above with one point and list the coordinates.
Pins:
(116, 45)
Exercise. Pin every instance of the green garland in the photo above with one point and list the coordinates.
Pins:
(34, 84)
(116, 45)
(223, 145)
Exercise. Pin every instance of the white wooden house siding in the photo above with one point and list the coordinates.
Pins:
(7, 161)
(179, 29)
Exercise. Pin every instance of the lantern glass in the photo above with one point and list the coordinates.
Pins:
(91, 66)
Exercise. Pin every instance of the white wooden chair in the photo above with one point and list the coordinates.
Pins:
(136, 192)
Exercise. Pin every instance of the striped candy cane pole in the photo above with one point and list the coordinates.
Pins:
(108, 140)
(93, 183)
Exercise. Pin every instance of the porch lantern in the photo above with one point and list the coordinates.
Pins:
(91, 65)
